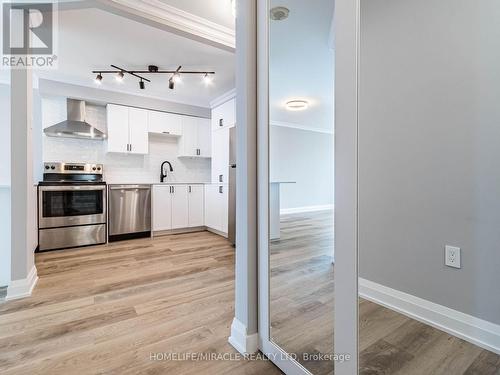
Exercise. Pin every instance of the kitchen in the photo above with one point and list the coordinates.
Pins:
(126, 149)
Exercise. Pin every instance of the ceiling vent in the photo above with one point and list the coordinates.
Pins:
(279, 13)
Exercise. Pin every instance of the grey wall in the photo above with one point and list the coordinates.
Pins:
(305, 157)
(4, 185)
(429, 149)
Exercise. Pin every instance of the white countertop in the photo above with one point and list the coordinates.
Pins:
(159, 183)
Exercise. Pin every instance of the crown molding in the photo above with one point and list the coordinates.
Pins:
(223, 98)
(175, 19)
(291, 125)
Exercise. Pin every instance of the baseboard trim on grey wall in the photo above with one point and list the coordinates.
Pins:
(298, 210)
(22, 288)
(241, 340)
(469, 328)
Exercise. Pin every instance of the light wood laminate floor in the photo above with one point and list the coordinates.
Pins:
(105, 309)
(302, 293)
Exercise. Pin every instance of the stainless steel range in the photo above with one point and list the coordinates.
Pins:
(71, 206)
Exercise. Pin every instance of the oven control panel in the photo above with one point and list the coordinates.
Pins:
(73, 168)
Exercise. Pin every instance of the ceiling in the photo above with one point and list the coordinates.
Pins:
(217, 11)
(302, 63)
(92, 39)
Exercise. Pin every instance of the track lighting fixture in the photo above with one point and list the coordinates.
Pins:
(175, 75)
(119, 76)
(98, 79)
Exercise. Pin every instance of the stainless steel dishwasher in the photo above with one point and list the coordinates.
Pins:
(129, 212)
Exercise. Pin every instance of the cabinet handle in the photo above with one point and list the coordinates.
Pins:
(131, 147)
(220, 189)
(173, 189)
(170, 189)
(220, 178)
(166, 132)
(190, 189)
(199, 152)
(221, 122)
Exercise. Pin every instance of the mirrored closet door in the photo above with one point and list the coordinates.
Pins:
(297, 136)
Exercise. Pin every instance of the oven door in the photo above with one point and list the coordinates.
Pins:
(70, 205)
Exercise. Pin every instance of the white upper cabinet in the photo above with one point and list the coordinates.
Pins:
(118, 129)
(138, 127)
(127, 129)
(196, 137)
(165, 123)
(224, 115)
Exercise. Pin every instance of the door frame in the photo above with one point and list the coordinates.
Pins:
(346, 21)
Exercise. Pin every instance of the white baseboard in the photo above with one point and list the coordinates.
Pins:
(474, 330)
(241, 341)
(22, 288)
(298, 210)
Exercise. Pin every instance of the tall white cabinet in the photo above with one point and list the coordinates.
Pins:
(216, 194)
(127, 129)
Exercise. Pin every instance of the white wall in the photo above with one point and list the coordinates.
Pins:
(429, 150)
(305, 157)
(119, 168)
(5, 131)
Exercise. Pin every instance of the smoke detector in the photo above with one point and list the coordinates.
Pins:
(279, 13)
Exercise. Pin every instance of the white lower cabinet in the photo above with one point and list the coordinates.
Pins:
(162, 207)
(216, 207)
(177, 207)
(180, 206)
(195, 205)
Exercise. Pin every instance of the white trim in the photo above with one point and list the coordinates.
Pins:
(298, 210)
(474, 330)
(167, 15)
(23, 287)
(240, 340)
(223, 98)
(300, 127)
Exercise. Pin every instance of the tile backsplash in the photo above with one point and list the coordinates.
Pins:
(118, 168)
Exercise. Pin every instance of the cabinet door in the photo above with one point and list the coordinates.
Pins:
(220, 156)
(212, 215)
(195, 203)
(162, 208)
(138, 125)
(164, 123)
(118, 130)
(204, 137)
(180, 208)
(224, 115)
(224, 205)
(189, 139)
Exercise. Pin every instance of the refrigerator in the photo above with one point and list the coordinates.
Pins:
(231, 226)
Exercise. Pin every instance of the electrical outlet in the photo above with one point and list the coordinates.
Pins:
(452, 256)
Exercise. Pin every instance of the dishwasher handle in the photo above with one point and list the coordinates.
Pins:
(130, 187)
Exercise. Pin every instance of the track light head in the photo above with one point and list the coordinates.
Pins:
(142, 85)
(171, 83)
(177, 78)
(119, 77)
(207, 79)
(98, 79)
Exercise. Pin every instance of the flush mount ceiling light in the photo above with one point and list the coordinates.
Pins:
(279, 13)
(297, 105)
(175, 75)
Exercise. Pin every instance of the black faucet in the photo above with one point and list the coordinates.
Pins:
(163, 175)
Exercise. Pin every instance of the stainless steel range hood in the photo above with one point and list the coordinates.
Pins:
(75, 126)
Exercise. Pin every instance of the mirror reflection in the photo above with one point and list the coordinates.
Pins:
(301, 181)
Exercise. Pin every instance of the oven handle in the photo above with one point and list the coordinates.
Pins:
(71, 188)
